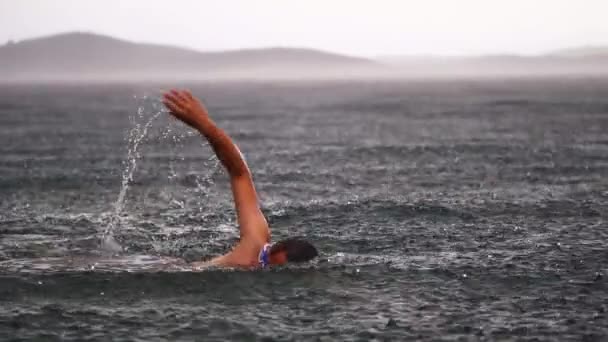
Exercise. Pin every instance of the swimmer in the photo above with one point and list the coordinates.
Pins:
(254, 249)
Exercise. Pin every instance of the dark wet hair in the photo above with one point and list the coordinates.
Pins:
(297, 250)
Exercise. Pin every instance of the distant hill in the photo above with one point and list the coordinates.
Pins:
(87, 56)
(576, 61)
(92, 57)
(585, 52)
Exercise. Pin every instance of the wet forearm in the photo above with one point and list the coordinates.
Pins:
(226, 151)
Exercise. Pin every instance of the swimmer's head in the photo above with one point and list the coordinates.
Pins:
(292, 250)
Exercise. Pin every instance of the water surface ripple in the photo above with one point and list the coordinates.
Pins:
(443, 211)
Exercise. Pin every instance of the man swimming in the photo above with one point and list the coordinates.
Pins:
(254, 248)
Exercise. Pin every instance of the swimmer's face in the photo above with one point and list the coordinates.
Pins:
(278, 258)
(291, 250)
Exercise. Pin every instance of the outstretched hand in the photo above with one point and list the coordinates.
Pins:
(185, 107)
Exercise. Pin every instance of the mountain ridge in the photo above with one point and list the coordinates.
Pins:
(90, 56)
(87, 55)
(582, 51)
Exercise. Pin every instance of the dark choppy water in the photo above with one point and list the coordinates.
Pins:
(443, 211)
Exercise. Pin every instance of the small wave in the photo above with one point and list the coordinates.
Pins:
(369, 206)
(512, 102)
(130, 264)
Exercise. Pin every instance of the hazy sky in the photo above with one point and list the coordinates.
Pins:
(358, 27)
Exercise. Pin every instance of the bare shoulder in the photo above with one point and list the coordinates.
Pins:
(243, 255)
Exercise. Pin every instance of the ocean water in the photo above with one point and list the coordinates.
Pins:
(443, 211)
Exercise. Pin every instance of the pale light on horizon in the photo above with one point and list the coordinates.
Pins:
(364, 28)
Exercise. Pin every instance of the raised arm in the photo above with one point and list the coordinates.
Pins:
(188, 109)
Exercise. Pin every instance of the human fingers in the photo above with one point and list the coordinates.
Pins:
(173, 108)
(188, 94)
(170, 97)
(179, 95)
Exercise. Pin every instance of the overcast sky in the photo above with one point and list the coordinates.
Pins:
(357, 27)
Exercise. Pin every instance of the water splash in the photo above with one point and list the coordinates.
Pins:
(136, 136)
(203, 183)
(191, 198)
